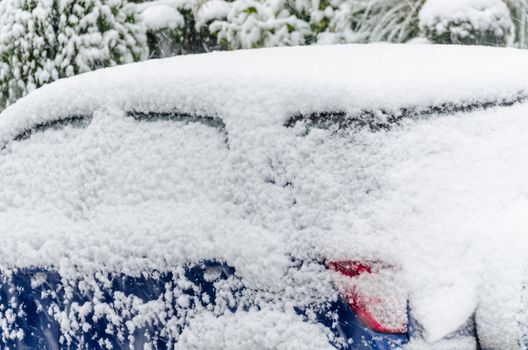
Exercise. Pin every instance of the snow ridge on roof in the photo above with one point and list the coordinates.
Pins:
(280, 82)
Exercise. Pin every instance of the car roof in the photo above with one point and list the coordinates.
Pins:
(258, 87)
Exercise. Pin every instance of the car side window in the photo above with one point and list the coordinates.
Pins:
(76, 121)
(385, 119)
(338, 120)
(214, 122)
(82, 121)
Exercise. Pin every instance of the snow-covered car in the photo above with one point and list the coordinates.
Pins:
(353, 197)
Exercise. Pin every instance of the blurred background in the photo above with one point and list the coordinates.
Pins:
(45, 40)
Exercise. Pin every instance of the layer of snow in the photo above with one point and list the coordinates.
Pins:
(211, 10)
(442, 197)
(258, 330)
(284, 81)
(162, 16)
(464, 343)
(419, 41)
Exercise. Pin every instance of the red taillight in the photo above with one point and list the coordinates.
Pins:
(373, 294)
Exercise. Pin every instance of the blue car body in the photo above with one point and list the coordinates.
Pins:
(30, 306)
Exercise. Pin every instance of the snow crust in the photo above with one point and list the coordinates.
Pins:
(442, 197)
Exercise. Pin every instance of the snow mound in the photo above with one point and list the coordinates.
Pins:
(259, 330)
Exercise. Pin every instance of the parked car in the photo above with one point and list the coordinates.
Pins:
(352, 197)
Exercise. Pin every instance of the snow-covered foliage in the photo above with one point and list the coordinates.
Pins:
(161, 15)
(165, 26)
(277, 23)
(519, 10)
(95, 34)
(370, 21)
(266, 23)
(27, 33)
(260, 23)
(482, 22)
(42, 41)
(198, 26)
(177, 27)
(119, 195)
(212, 10)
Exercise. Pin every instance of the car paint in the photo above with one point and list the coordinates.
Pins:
(34, 294)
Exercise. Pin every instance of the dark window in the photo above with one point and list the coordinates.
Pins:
(213, 122)
(77, 121)
(82, 121)
(381, 119)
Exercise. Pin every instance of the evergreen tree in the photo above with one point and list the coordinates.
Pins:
(97, 33)
(27, 47)
(44, 40)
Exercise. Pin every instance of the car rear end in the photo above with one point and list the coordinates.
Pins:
(211, 201)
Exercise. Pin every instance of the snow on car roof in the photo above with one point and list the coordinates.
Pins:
(284, 81)
(443, 198)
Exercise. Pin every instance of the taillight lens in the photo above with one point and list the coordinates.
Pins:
(372, 292)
